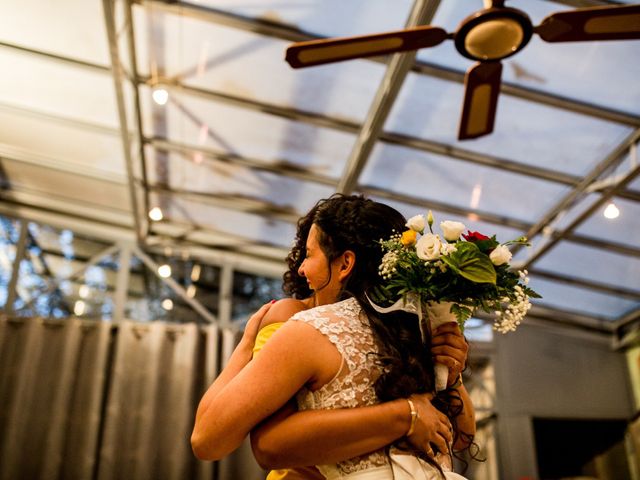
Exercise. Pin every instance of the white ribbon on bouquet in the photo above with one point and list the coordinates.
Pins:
(438, 313)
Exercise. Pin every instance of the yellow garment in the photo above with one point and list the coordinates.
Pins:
(265, 334)
(301, 473)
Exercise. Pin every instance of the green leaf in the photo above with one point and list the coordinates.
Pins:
(469, 262)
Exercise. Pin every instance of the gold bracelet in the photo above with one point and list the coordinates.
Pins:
(414, 417)
(457, 383)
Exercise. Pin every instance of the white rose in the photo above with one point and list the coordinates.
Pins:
(428, 247)
(452, 230)
(500, 255)
(416, 223)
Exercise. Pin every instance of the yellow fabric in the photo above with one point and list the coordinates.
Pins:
(303, 473)
(265, 334)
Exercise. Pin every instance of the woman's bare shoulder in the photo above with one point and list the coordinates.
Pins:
(283, 310)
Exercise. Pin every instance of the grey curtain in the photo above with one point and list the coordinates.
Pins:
(89, 400)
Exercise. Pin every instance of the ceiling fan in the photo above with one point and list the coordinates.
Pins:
(487, 36)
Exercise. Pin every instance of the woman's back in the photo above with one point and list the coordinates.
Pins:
(347, 328)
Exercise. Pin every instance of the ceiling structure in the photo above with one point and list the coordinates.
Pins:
(243, 144)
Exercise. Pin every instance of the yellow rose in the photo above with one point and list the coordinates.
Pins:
(408, 238)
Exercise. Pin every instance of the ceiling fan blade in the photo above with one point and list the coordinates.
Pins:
(317, 52)
(482, 85)
(596, 23)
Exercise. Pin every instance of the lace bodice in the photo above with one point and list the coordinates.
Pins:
(347, 327)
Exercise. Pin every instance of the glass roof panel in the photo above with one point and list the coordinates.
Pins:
(225, 180)
(462, 184)
(248, 227)
(624, 229)
(59, 89)
(249, 133)
(429, 108)
(591, 263)
(55, 27)
(236, 62)
(61, 185)
(579, 70)
(580, 300)
(324, 17)
(61, 145)
(471, 222)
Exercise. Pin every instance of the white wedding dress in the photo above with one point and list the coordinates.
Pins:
(347, 327)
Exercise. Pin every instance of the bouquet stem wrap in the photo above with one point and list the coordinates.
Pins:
(438, 313)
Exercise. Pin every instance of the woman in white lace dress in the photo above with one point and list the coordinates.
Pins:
(343, 355)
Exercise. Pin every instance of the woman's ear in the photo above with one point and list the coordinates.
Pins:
(347, 262)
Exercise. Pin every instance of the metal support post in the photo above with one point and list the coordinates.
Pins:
(15, 272)
(122, 283)
(175, 286)
(225, 295)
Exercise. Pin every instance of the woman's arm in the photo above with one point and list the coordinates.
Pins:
(449, 347)
(269, 313)
(466, 421)
(314, 437)
(239, 358)
(296, 355)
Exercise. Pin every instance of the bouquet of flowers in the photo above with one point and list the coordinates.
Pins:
(451, 276)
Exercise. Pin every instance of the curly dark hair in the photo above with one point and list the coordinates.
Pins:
(356, 223)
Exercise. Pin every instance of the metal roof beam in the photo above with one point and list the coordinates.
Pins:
(394, 76)
(118, 80)
(536, 96)
(591, 285)
(292, 34)
(69, 61)
(626, 179)
(305, 174)
(429, 146)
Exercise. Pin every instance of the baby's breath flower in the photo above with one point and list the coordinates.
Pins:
(460, 270)
(387, 267)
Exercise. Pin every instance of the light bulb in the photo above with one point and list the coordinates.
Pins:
(79, 307)
(611, 211)
(164, 271)
(160, 96)
(167, 304)
(195, 273)
(83, 291)
(155, 214)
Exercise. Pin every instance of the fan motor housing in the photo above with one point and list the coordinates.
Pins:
(493, 34)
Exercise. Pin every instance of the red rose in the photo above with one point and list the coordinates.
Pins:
(474, 236)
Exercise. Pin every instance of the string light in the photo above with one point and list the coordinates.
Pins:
(160, 96)
(79, 307)
(167, 304)
(195, 273)
(83, 291)
(611, 211)
(164, 271)
(155, 214)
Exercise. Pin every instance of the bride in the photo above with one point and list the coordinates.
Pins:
(341, 355)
